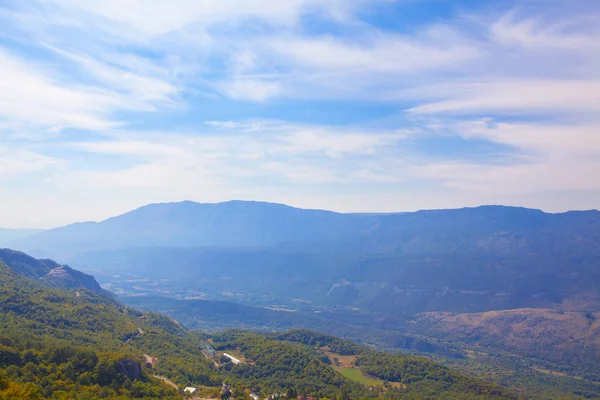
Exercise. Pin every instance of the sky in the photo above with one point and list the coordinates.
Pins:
(347, 105)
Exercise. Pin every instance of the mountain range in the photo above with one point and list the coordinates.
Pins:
(234, 223)
(487, 229)
(509, 289)
(8, 235)
(472, 259)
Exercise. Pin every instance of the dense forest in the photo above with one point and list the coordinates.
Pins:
(57, 344)
(295, 359)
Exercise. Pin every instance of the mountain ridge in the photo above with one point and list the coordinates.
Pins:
(257, 224)
(459, 260)
(50, 273)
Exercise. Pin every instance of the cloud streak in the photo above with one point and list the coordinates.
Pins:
(298, 100)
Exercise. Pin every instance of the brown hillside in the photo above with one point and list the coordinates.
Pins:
(546, 334)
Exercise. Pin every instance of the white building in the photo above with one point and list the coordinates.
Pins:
(233, 359)
(190, 390)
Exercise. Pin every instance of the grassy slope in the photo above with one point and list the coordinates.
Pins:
(356, 375)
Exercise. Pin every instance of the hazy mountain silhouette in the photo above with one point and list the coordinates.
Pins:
(489, 229)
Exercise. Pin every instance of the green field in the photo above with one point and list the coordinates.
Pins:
(356, 375)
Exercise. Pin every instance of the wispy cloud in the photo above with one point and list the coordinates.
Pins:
(17, 164)
(29, 95)
(512, 96)
(303, 98)
(139, 91)
(571, 34)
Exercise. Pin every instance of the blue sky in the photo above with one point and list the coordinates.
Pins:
(362, 105)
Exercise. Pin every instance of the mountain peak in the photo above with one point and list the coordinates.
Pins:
(258, 224)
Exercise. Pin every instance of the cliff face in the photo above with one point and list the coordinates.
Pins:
(66, 277)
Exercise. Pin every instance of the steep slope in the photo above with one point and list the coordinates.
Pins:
(570, 340)
(49, 272)
(26, 265)
(54, 344)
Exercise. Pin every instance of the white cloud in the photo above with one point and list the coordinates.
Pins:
(539, 35)
(283, 153)
(522, 79)
(286, 138)
(211, 38)
(38, 96)
(145, 20)
(575, 141)
(131, 148)
(311, 140)
(375, 52)
(142, 91)
(548, 158)
(28, 95)
(250, 89)
(16, 163)
(527, 178)
(512, 96)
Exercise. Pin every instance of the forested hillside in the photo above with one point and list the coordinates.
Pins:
(278, 361)
(67, 343)
(54, 344)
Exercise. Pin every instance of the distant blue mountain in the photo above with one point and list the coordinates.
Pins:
(390, 276)
(8, 235)
(495, 229)
(234, 223)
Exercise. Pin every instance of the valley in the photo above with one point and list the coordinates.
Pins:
(507, 294)
(300, 200)
(77, 342)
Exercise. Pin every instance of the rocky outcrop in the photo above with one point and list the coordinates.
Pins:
(130, 367)
(50, 273)
(26, 265)
(66, 277)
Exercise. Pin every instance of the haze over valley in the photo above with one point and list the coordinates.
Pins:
(300, 200)
(441, 283)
